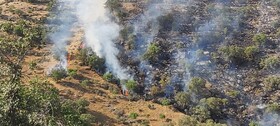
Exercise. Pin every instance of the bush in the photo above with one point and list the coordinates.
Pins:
(232, 53)
(188, 121)
(18, 30)
(183, 99)
(271, 62)
(274, 107)
(109, 77)
(165, 102)
(253, 123)
(7, 27)
(32, 65)
(250, 52)
(201, 113)
(58, 73)
(85, 83)
(131, 85)
(72, 73)
(215, 105)
(89, 58)
(162, 116)
(133, 115)
(197, 86)
(260, 39)
(152, 52)
(272, 83)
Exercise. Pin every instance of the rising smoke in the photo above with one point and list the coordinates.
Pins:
(99, 31)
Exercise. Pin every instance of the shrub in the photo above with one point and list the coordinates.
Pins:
(251, 51)
(131, 85)
(201, 113)
(85, 83)
(58, 73)
(18, 30)
(109, 77)
(114, 90)
(72, 73)
(232, 53)
(7, 27)
(215, 105)
(274, 107)
(89, 58)
(260, 39)
(162, 116)
(133, 115)
(165, 102)
(188, 121)
(270, 62)
(197, 85)
(272, 83)
(183, 99)
(32, 65)
(152, 52)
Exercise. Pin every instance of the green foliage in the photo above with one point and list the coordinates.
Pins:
(109, 77)
(152, 52)
(133, 115)
(274, 107)
(7, 27)
(197, 87)
(131, 85)
(215, 105)
(271, 62)
(260, 39)
(232, 53)
(72, 73)
(201, 113)
(188, 121)
(165, 102)
(251, 51)
(114, 90)
(239, 54)
(272, 83)
(89, 58)
(32, 65)
(183, 99)
(162, 116)
(58, 73)
(233, 93)
(85, 83)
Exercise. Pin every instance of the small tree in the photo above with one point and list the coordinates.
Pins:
(272, 83)
(270, 62)
(152, 52)
(183, 99)
(131, 85)
(260, 39)
(58, 73)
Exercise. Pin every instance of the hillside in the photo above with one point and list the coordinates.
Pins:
(150, 62)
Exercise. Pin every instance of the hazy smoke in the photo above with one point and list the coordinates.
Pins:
(62, 22)
(100, 31)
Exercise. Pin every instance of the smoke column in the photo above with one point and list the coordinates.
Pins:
(62, 22)
(100, 31)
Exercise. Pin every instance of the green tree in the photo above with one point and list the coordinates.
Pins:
(152, 52)
(272, 83)
(183, 99)
(131, 85)
(260, 39)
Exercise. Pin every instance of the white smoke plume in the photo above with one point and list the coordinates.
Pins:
(100, 31)
(62, 22)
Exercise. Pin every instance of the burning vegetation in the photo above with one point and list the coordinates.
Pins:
(216, 61)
